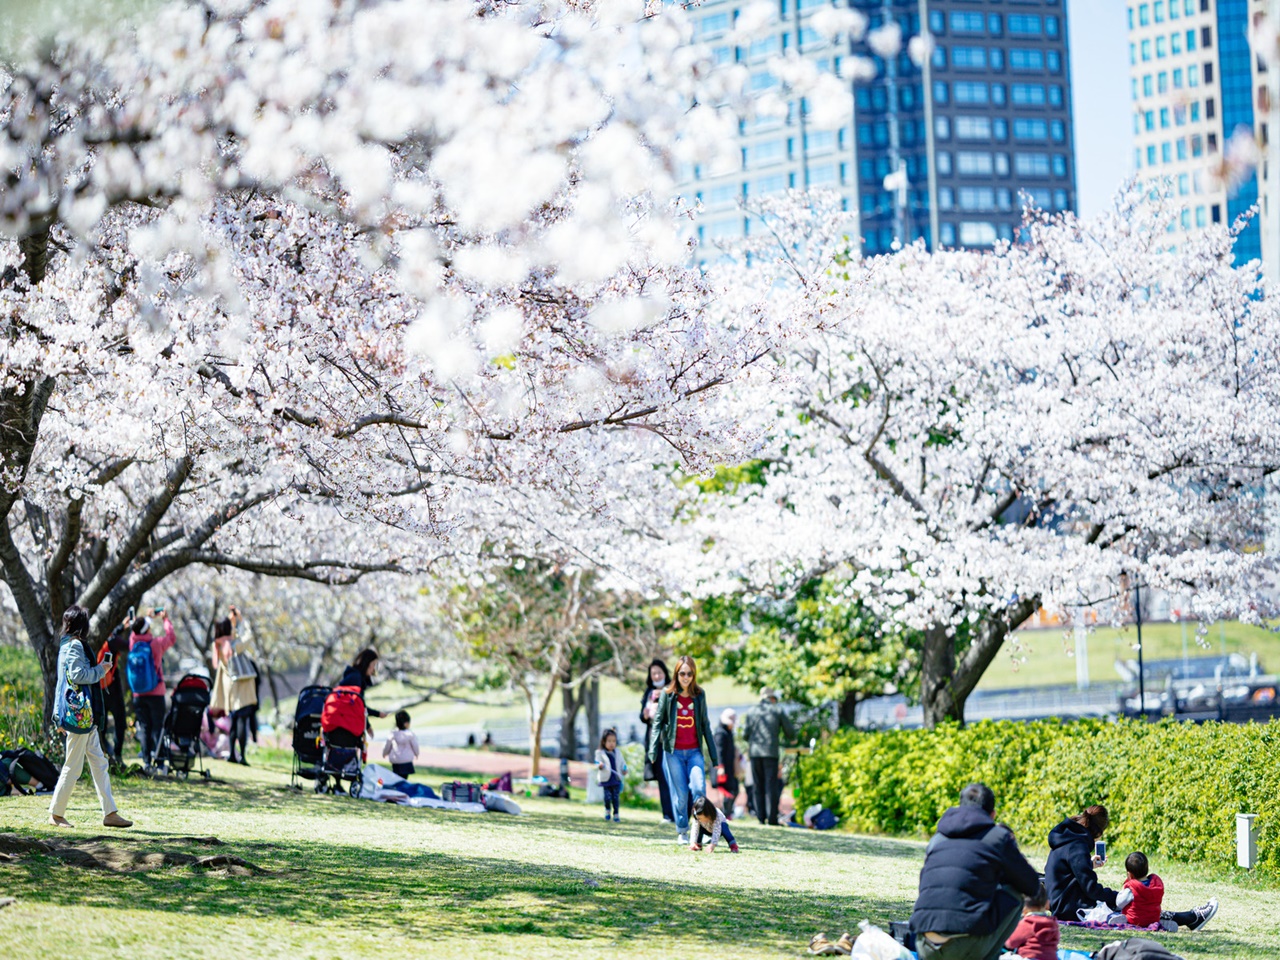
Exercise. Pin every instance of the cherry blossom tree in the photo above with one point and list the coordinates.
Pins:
(291, 287)
(978, 436)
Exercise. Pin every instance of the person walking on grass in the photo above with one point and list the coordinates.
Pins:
(972, 883)
(762, 728)
(680, 731)
(77, 709)
(609, 770)
(659, 677)
(113, 688)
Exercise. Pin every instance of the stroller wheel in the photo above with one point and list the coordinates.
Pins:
(356, 784)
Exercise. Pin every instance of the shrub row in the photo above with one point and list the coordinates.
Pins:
(1173, 789)
(21, 696)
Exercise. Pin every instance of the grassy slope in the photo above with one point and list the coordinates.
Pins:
(1044, 657)
(354, 879)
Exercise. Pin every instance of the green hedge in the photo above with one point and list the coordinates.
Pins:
(1173, 789)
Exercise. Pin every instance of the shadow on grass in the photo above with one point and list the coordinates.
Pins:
(434, 895)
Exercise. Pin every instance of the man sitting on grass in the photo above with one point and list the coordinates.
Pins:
(965, 910)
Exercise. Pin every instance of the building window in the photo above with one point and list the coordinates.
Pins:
(1182, 148)
(946, 198)
(1004, 199)
(1002, 164)
(1024, 25)
(977, 234)
(1000, 128)
(978, 199)
(939, 92)
(1059, 165)
(1151, 155)
(994, 25)
(1050, 26)
(969, 91)
(997, 59)
(1030, 130)
(1031, 164)
(1161, 48)
(1201, 219)
(1060, 201)
(973, 128)
(1184, 184)
(1055, 95)
(947, 232)
(997, 94)
(1206, 38)
(1164, 118)
(1191, 40)
(937, 23)
(1195, 111)
(944, 164)
(969, 58)
(1175, 43)
(1193, 75)
(1208, 73)
(1177, 79)
(1146, 50)
(1144, 14)
(942, 128)
(1166, 152)
(973, 163)
(1147, 89)
(1162, 82)
(1028, 94)
(967, 22)
(1053, 60)
(1057, 131)
(1149, 119)
(1209, 108)
(1026, 59)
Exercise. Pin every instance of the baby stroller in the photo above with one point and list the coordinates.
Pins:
(180, 739)
(308, 754)
(342, 726)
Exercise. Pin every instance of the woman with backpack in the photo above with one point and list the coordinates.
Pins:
(145, 673)
(360, 674)
(77, 710)
(681, 730)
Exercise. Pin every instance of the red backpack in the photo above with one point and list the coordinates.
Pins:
(343, 710)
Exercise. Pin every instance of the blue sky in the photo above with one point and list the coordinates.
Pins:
(1102, 109)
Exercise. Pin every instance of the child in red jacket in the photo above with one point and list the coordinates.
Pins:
(1142, 900)
(1036, 935)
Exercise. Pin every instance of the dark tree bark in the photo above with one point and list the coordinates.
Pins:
(571, 703)
(949, 675)
(848, 708)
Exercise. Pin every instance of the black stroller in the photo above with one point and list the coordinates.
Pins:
(308, 751)
(180, 740)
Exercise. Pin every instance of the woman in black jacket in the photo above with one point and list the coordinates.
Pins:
(659, 677)
(360, 674)
(1069, 873)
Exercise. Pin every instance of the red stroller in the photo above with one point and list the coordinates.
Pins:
(342, 726)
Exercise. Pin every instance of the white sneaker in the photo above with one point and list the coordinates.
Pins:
(682, 840)
(1205, 914)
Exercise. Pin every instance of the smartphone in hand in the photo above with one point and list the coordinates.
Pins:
(108, 658)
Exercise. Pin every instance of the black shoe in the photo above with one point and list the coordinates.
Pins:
(1204, 914)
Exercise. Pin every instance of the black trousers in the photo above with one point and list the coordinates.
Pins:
(767, 788)
(241, 720)
(731, 795)
(148, 711)
(113, 699)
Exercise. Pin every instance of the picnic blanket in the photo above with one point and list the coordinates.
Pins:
(380, 784)
(1100, 925)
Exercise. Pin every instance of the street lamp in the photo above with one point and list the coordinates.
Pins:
(1137, 605)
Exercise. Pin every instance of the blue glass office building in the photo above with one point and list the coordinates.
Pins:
(966, 138)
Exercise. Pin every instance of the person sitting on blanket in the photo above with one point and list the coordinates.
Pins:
(1142, 898)
(1036, 936)
(966, 909)
(1069, 873)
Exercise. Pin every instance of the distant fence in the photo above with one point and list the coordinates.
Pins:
(1030, 704)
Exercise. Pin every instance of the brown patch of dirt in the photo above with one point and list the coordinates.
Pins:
(115, 855)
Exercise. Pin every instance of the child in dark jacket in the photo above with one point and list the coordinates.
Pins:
(1036, 936)
(1142, 900)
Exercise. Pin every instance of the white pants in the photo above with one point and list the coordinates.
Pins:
(80, 745)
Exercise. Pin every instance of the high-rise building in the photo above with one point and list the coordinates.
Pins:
(1193, 81)
(946, 146)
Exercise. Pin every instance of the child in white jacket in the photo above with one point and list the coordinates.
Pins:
(609, 770)
(401, 747)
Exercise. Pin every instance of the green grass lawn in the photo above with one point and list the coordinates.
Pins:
(1046, 657)
(345, 878)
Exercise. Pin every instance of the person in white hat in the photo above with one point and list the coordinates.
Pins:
(726, 776)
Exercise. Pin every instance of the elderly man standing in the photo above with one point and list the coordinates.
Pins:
(761, 729)
(966, 909)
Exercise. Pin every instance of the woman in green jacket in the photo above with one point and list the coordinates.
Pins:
(682, 730)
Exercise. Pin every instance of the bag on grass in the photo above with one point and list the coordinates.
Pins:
(874, 944)
(1135, 948)
(460, 792)
(1098, 913)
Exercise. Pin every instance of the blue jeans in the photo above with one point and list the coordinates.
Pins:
(686, 775)
(612, 791)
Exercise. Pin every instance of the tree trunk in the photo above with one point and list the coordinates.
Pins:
(569, 703)
(947, 677)
(847, 713)
(593, 713)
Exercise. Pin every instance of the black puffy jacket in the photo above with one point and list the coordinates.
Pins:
(965, 864)
(1069, 875)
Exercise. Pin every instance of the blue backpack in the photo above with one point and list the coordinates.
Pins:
(140, 668)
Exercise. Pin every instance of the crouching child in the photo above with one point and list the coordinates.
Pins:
(709, 821)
